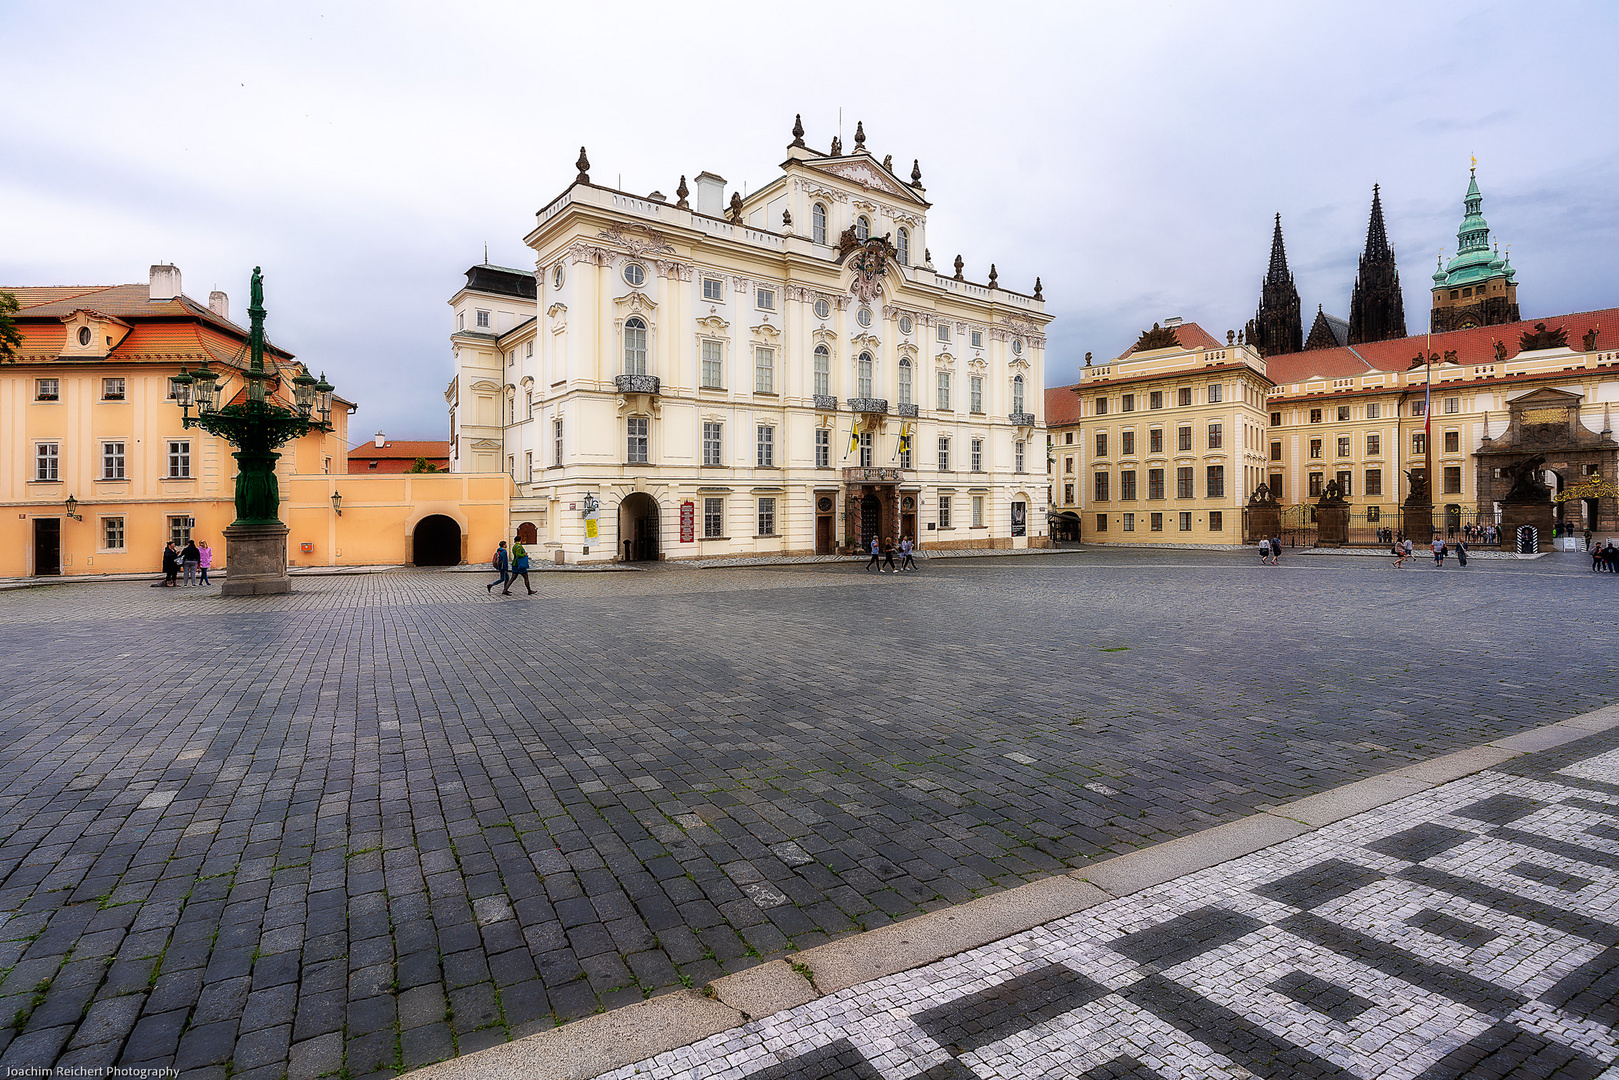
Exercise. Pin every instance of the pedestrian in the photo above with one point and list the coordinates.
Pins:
(1438, 551)
(908, 547)
(888, 555)
(502, 564)
(1461, 553)
(205, 559)
(1409, 548)
(1612, 557)
(876, 554)
(189, 558)
(1264, 551)
(1275, 550)
(519, 569)
(171, 565)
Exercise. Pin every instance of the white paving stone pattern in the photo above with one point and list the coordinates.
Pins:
(1468, 931)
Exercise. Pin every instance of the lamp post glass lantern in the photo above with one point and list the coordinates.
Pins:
(256, 542)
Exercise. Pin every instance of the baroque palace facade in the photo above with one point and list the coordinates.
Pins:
(781, 373)
(1169, 442)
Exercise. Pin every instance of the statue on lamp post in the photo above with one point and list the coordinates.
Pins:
(256, 542)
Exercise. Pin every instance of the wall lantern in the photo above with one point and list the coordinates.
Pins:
(337, 503)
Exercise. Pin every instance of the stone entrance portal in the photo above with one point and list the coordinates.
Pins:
(871, 508)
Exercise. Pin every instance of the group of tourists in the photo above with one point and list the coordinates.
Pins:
(510, 566)
(1605, 558)
(1270, 551)
(1404, 549)
(886, 550)
(1487, 535)
(192, 560)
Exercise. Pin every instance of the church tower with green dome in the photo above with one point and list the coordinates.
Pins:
(1478, 287)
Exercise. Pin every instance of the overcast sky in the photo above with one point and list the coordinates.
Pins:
(1131, 155)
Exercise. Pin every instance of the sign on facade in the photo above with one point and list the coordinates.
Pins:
(688, 522)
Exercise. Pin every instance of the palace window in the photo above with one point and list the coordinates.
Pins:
(179, 459)
(1155, 441)
(976, 337)
(112, 461)
(905, 458)
(1017, 394)
(1374, 445)
(1315, 448)
(1183, 483)
(904, 380)
(180, 530)
(1343, 412)
(1276, 451)
(1127, 485)
(1374, 482)
(863, 379)
(975, 393)
(556, 441)
(47, 389)
(1186, 521)
(1183, 437)
(944, 453)
(1068, 494)
(766, 447)
(767, 516)
(1419, 407)
(823, 448)
(903, 246)
(1216, 394)
(112, 390)
(1127, 442)
(1343, 446)
(1067, 438)
(1275, 419)
(635, 347)
(713, 365)
(1275, 483)
(112, 534)
(1317, 484)
(1101, 406)
(944, 511)
(978, 511)
(1101, 523)
(818, 223)
(764, 299)
(713, 289)
(1216, 436)
(711, 442)
(823, 371)
(944, 390)
(1453, 442)
(1216, 521)
(483, 318)
(1453, 479)
(713, 518)
(1419, 443)
(1101, 487)
(1126, 404)
(1155, 399)
(636, 453)
(1129, 522)
(1315, 416)
(528, 464)
(1155, 483)
(1017, 456)
(944, 332)
(862, 227)
(1216, 480)
(977, 450)
(1101, 444)
(865, 450)
(1068, 465)
(1374, 411)
(1157, 523)
(764, 370)
(47, 461)
(1453, 405)
(1184, 396)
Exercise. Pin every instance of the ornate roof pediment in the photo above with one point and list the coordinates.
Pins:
(487, 386)
(486, 444)
(867, 174)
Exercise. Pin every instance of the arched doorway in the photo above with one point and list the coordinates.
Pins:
(436, 541)
(871, 518)
(638, 528)
(527, 533)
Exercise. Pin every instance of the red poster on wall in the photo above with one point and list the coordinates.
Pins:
(688, 522)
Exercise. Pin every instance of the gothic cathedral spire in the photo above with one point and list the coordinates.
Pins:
(1277, 326)
(1376, 309)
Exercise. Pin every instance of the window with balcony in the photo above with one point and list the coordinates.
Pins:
(635, 346)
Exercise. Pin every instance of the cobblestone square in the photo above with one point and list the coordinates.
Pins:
(391, 818)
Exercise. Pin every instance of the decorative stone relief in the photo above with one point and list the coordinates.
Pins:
(669, 268)
(581, 252)
(867, 177)
(639, 239)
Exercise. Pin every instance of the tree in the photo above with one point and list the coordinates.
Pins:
(10, 336)
(423, 465)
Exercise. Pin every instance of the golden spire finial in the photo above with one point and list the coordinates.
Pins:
(1474, 166)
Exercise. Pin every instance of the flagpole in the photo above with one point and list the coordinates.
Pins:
(1427, 425)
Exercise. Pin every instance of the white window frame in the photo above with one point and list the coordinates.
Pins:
(818, 223)
(1017, 455)
(48, 461)
(713, 441)
(1017, 394)
(767, 515)
(864, 369)
(944, 333)
(905, 389)
(764, 369)
(823, 448)
(713, 518)
(636, 335)
(764, 299)
(556, 440)
(113, 537)
(978, 511)
(944, 453)
(112, 460)
(482, 319)
(47, 389)
(976, 338)
(944, 511)
(713, 367)
(107, 389)
(903, 245)
(866, 450)
(976, 447)
(716, 294)
(943, 390)
(765, 446)
(975, 393)
(823, 371)
(179, 459)
(862, 227)
(638, 440)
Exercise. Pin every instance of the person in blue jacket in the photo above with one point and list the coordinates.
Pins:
(502, 566)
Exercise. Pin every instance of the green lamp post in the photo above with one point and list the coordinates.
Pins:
(256, 542)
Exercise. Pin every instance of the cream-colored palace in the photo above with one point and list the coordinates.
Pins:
(721, 375)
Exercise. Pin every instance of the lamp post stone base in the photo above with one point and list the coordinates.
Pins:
(256, 560)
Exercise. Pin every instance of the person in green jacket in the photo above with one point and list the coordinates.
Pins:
(519, 568)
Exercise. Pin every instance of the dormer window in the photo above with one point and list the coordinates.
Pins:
(862, 228)
(85, 336)
(818, 223)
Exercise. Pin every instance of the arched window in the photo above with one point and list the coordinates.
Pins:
(905, 380)
(862, 227)
(1017, 394)
(904, 246)
(863, 376)
(823, 371)
(635, 347)
(818, 223)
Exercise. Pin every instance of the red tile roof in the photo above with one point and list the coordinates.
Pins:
(1475, 346)
(121, 301)
(1190, 335)
(1062, 405)
(398, 457)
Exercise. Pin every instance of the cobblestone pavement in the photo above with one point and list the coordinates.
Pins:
(388, 818)
(1471, 931)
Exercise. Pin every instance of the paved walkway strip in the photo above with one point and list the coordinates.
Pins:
(1456, 918)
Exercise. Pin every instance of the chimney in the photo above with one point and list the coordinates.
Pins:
(1172, 322)
(710, 194)
(382, 440)
(164, 282)
(219, 304)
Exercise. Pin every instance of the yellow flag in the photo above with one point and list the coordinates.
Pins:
(854, 438)
(905, 438)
